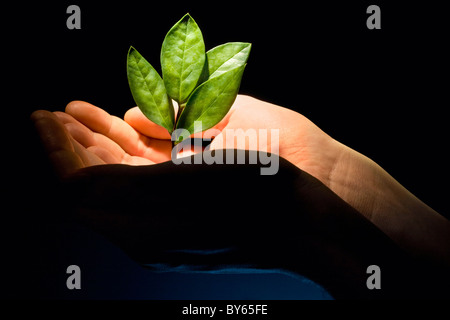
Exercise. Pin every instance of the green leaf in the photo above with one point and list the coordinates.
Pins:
(148, 91)
(211, 101)
(226, 57)
(182, 58)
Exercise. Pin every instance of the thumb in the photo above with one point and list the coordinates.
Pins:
(135, 118)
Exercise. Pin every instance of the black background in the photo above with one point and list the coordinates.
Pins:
(381, 92)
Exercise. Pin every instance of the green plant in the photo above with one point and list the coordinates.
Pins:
(203, 84)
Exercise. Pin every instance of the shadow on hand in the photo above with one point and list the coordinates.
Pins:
(229, 215)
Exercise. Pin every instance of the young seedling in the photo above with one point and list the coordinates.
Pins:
(204, 85)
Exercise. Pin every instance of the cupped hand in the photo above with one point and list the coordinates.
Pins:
(164, 214)
(253, 124)
(191, 217)
(356, 179)
(86, 135)
(100, 138)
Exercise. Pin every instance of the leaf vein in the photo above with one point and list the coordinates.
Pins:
(213, 102)
(150, 89)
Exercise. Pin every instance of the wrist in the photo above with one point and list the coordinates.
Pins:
(408, 221)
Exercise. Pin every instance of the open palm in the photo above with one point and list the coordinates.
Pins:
(95, 137)
(85, 136)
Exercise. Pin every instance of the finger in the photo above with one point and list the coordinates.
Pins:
(88, 158)
(136, 161)
(97, 143)
(65, 117)
(87, 138)
(104, 154)
(57, 143)
(130, 140)
(100, 121)
(135, 118)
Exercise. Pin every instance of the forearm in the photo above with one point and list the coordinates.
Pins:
(397, 212)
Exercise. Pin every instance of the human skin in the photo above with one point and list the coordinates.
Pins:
(354, 177)
(99, 138)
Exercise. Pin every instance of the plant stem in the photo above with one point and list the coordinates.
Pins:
(180, 110)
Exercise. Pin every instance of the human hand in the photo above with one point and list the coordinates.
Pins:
(157, 220)
(298, 140)
(108, 139)
(355, 178)
(101, 138)
(90, 136)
